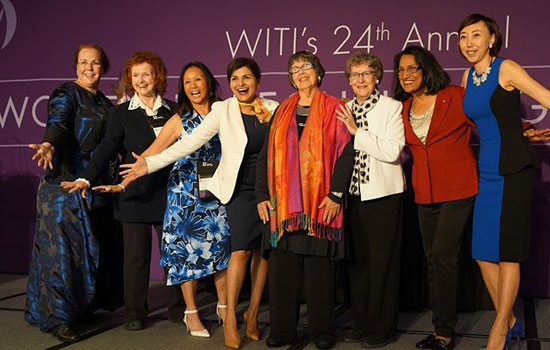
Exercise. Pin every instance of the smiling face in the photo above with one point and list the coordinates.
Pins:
(143, 79)
(195, 87)
(88, 68)
(244, 84)
(362, 80)
(410, 82)
(304, 79)
(474, 42)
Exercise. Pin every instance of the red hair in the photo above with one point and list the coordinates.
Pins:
(159, 70)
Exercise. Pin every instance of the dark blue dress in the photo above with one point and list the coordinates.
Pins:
(506, 164)
(242, 213)
(63, 272)
(195, 235)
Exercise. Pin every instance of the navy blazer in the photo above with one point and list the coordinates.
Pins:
(129, 131)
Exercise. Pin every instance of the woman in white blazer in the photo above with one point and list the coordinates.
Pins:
(375, 197)
(241, 123)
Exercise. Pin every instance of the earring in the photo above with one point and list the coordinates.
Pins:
(377, 81)
(490, 46)
(349, 83)
(318, 78)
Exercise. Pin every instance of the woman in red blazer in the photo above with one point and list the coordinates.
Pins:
(444, 177)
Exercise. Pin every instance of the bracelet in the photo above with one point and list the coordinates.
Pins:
(121, 185)
(84, 180)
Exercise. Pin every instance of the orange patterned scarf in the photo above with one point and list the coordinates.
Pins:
(261, 111)
(299, 172)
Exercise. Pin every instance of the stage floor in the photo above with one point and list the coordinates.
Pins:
(106, 331)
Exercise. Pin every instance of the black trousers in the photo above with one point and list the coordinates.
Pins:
(375, 237)
(442, 228)
(286, 270)
(110, 274)
(137, 260)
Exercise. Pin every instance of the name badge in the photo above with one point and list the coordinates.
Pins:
(157, 130)
(205, 171)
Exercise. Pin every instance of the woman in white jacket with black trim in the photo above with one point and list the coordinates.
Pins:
(375, 198)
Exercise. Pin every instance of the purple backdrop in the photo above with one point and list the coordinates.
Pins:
(37, 40)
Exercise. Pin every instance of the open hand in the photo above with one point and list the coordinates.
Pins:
(75, 186)
(534, 135)
(136, 170)
(345, 116)
(331, 209)
(108, 189)
(263, 210)
(44, 154)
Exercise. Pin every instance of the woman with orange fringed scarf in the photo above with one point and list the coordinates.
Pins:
(299, 186)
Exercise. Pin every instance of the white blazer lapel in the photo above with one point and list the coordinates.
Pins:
(235, 120)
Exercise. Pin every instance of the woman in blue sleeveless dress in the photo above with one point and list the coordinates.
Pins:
(507, 165)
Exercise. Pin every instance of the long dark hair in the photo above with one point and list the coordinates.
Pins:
(434, 78)
(185, 105)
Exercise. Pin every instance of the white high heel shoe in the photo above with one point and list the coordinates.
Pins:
(203, 333)
(218, 307)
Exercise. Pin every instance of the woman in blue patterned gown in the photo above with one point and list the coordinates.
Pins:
(195, 235)
(65, 277)
(506, 163)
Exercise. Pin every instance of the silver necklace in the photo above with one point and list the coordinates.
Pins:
(483, 77)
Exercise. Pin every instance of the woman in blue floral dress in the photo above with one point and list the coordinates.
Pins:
(195, 237)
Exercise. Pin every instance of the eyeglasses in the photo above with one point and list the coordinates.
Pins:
(92, 63)
(296, 69)
(367, 75)
(409, 69)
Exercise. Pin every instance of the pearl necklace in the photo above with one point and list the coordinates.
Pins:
(483, 77)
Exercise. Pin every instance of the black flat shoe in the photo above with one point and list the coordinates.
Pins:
(426, 343)
(276, 342)
(440, 344)
(368, 345)
(65, 333)
(133, 324)
(324, 341)
(354, 336)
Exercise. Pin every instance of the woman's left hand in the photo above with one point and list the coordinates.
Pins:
(108, 189)
(75, 186)
(534, 135)
(345, 116)
(331, 209)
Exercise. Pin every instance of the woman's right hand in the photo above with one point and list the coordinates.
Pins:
(263, 210)
(346, 117)
(44, 154)
(136, 170)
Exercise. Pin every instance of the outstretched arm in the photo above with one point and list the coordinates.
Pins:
(168, 135)
(185, 146)
(513, 75)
